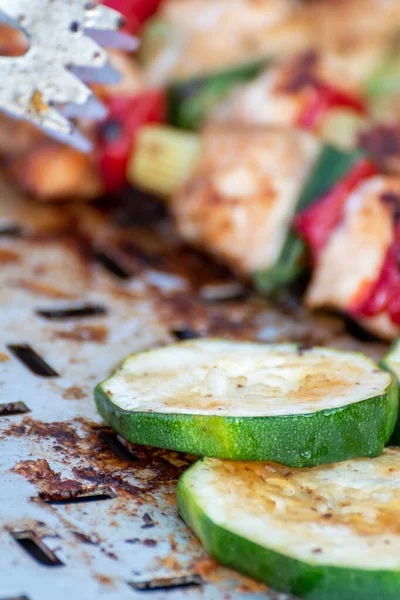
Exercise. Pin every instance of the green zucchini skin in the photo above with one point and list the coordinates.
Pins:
(189, 101)
(331, 165)
(387, 364)
(332, 435)
(283, 573)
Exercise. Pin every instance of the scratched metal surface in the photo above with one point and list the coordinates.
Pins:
(59, 453)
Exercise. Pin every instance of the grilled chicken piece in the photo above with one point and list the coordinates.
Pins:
(268, 99)
(282, 93)
(359, 48)
(351, 262)
(353, 33)
(53, 172)
(240, 200)
(45, 168)
(200, 36)
(285, 91)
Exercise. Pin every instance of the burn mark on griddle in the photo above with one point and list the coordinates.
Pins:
(302, 348)
(43, 289)
(142, 258)
(97, 463)
(117, 447)
(103, 579)
(55, 490)
(167, 584)
(111, 264)
(184, 334)
(15, 598)
(116, 482)
(83, 538)
(148, 542)
(34, 470)
(73, 393)
(8, 256)
(148, 521)
(61, 491)
(224, 292)
(152, 249)
(32, 360)
(130, 207)
(77, 312)
(36, 548)
(72, 492)
(64, 434)
(147, 518)
(83, 333)
(13, 408)
(14, 231)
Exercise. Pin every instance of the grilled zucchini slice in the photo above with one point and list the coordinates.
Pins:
(328, 533)
(391, 362)
(252, 401)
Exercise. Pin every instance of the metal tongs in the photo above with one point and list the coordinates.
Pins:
(46, 85)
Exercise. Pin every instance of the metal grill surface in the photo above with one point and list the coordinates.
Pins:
(82, 513)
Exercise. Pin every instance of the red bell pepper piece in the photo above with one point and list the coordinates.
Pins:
(116, 134)
(322, 99)
(135, 12)
(384, 295)
(316, 223)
